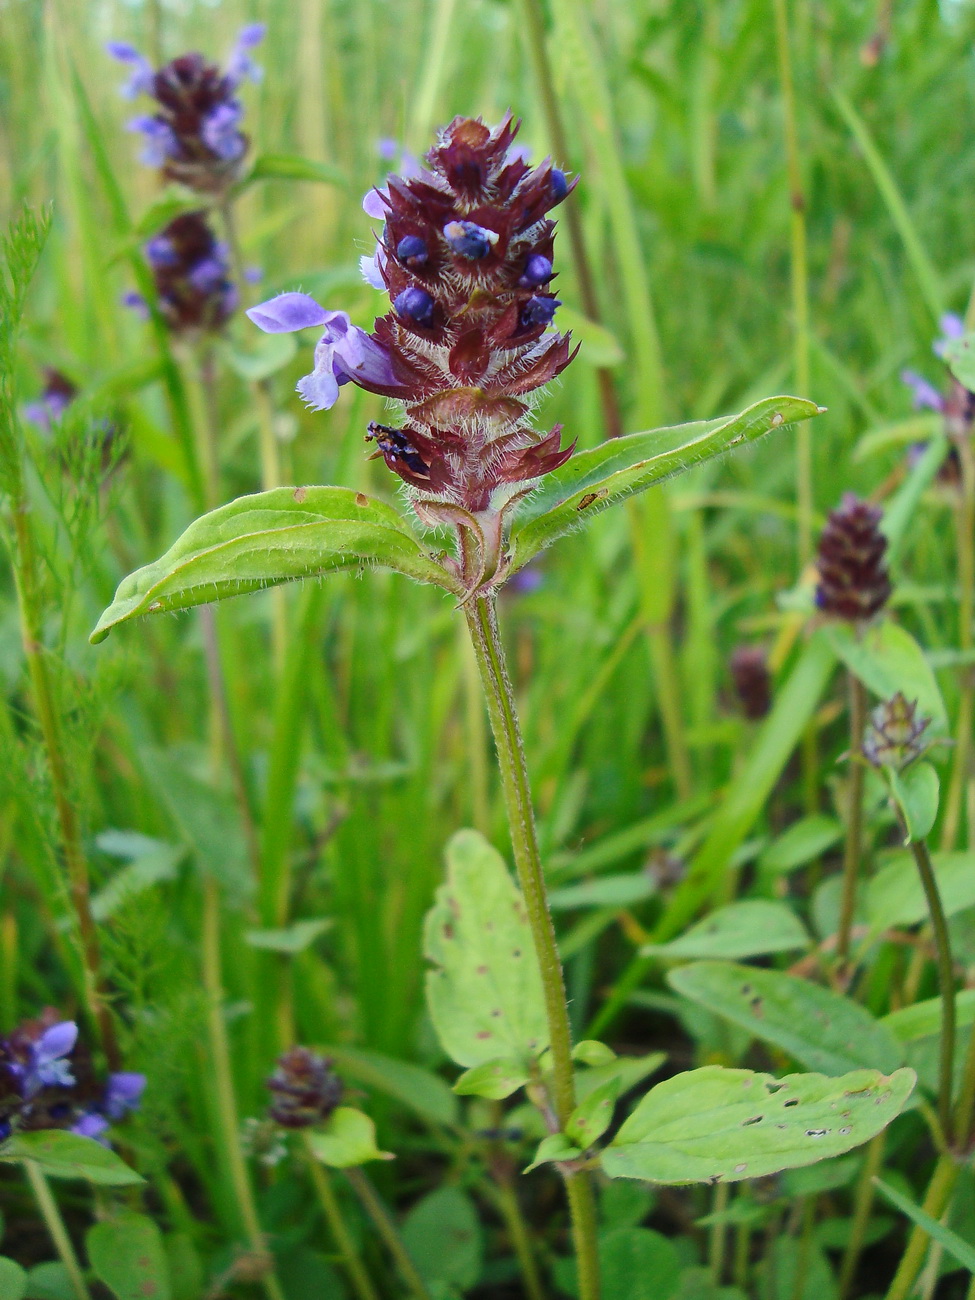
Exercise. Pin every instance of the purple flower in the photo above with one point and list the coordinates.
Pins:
(141, 80)
(160, 140)
(47, 1067)
(371, 268)
(952, 327)
(220, 131)
(123, 1093)
(161, 252)
(91, 1125)
(469, 240)
(240, 65)
(374, 203)
(136, 303)
(926, 396)
(344, 352)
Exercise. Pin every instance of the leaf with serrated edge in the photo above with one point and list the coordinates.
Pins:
(821, 1029)
(715, 1124)
(66, 1155)
(591, 481)
(485, 995)
(272, 537)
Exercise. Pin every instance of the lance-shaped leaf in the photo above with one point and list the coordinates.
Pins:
(485, 994)
(268, 538)
(594, 480)
(347, 1138)
(715, 1124)
(66, 1155)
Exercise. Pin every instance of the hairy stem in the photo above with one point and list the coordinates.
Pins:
(362, 1284)
(489, 651)
(56, 1229)
(510, 1210)
(854, 821)
(946, 983)
(384, 1225)
(223, 1084)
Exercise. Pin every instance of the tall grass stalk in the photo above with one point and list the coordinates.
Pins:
(57, 1231)
(853, 844)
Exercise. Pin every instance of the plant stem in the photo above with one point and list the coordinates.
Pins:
(719, 1232)
(55, 1226)
(965, 526)
(938, 1195)
(223, 1085)
(964, 1118)
(386, 1228)
(854, 820)
(946, 983)
(862, 1206)
(535, 32)
(360, 1279)
(489, 651)
(510, 1210)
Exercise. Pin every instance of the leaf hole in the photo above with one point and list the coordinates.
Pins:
(817, 1132)
(755, 1119)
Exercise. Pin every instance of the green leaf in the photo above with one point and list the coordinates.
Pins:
(492, 1079)
(600, 346)
(820, 1029)
(292, 939)
(485, 995)
(638, 1264)
(592, 1052)
(718, 1124)
(49, 1282)
(158, 864)
(60, 1154)
(794, 1270)
(745, 929)
(805, 840)
(271, 537)
(424, 1092)
(292, 167)
(592, 1117)
(555, 1147)
(606, 891)
(698, 1284)
(956, 1246)
(887, 660)
(959, 356)
(895, 895)
(443, 1237)
(915, 791)
(126, 1253)
(594, 480)
(628, 1070)
(13, 1280)
(923, 1019)
(348, 1138)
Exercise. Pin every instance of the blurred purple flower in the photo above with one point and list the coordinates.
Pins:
(926, 396)
(123, 1093)
(952, 327)
(46, 1067)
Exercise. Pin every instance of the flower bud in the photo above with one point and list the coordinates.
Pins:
(752, 680)
(894, 734)
(304, 1089)
(853, 579)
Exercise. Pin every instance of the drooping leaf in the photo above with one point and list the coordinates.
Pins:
(805, 840)
(347, 1138)
(271, 537)
(126, 1253)
(554, 1147)
(424, 1092)
(292, 167)
(817, 1027)
(13, 1280)
(485, 994)
(895, 895)
(915, 791)
(719, 1124)
(594, 480)
(744, 929)
(593, 1116)
(443, 1237)
(60, 1154)
(955, 1246)
(492, 1079)
(293, 938)
(887, 659)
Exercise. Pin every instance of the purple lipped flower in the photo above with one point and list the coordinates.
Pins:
(926, 396)
(47, 1067)
(371, 268)
(123, 1093)
(91, 1125)
(344, 353)
(240, 65)
(141, 79)
(191, 270)
(952, 327)
(160, 251)
(220, 132)
(160, 142)
(57, 395)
